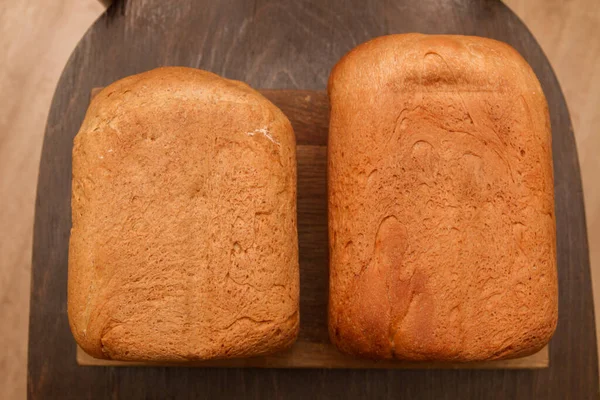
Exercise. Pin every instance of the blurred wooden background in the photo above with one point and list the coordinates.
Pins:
(36, 38)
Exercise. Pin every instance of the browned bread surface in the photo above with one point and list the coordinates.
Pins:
(442, 228)
(184, 243)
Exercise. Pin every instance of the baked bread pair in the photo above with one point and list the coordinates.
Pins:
(184, 242)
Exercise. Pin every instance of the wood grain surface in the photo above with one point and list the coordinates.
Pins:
(307, 354)
(293, 45)
(308, 111)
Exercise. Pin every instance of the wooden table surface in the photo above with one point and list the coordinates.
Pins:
(287, 44)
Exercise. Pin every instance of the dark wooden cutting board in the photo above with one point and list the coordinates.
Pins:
(289, 44)
(308, 112)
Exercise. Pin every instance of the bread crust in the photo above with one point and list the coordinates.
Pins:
(441, 204)
(184, 238)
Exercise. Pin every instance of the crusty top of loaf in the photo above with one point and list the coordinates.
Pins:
(442, 231)
(184, 241)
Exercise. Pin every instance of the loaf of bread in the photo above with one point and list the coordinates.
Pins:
(184, 239)
(441, 208)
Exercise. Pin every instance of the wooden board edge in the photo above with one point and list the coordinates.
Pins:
(323, 355)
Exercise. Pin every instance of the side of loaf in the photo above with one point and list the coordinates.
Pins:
(184, 237)
(441, 203)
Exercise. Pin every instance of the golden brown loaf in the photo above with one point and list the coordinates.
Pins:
(184, 243)
(442, 229)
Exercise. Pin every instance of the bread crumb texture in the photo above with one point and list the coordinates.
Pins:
(442, 228)
(184, 242)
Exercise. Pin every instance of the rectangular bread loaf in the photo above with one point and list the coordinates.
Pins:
(184, 242)
(441, 208)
